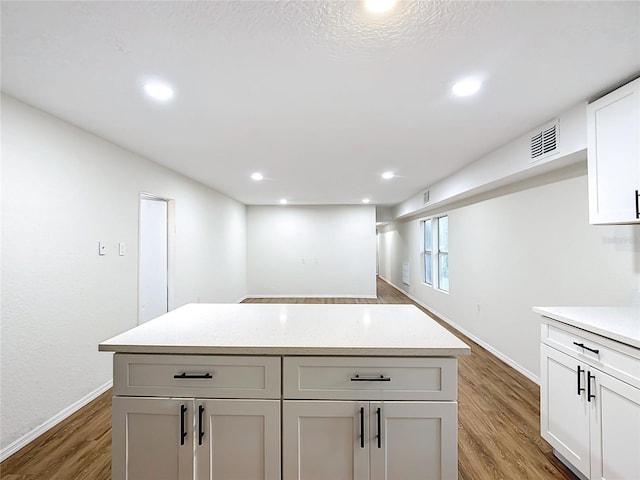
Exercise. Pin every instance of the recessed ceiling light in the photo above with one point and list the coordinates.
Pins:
(283, 201)
(366, 200)
(379, 6)
(257, 176)
(388, 175)
(158, 91)
(467, 87)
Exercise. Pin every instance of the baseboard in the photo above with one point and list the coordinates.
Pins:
(52, 422)
(509, 361)
(337, 295)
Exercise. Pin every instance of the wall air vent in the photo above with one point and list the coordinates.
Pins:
(544, 142)
(425, 197)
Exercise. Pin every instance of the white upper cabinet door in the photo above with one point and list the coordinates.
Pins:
(613, 141)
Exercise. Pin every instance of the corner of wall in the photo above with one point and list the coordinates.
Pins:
(503, 166)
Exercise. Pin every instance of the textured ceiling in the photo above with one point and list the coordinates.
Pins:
(321, 97)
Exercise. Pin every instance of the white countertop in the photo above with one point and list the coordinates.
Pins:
(617, 323)
(291, 329)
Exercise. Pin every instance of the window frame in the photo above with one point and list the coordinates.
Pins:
(442, 253)
(436, 252)
(427, 251)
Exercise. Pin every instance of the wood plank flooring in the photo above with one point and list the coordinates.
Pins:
(498, 423)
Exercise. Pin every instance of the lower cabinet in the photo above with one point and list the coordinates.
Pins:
(564, 411)
(181, 417)
(361, 440)
(591, 418)
(186, 438)
(615, 424)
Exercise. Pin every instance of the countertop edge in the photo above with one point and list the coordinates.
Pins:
(286, 351)
(554, 314)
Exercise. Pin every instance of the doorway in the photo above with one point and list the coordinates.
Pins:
(153, 258)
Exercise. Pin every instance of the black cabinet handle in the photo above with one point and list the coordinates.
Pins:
(589, 395)
(193, 375)
(183, 433)
(379, 434)
(580, 389)
(370, 378)
(582, 345)
(361, 427)
(637, 204)
(200, 424)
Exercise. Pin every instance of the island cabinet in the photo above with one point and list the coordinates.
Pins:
(196, 417)
(369, 418)
(613, 156)
(590, 401)
(286, 392)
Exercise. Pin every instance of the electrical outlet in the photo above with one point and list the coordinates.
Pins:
(102, 248)
(122, 248)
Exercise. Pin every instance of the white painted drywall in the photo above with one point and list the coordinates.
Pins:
(63, 191)
(311, 251)
(528, 245)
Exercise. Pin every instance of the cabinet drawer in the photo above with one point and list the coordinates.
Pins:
(614, 358)
(196, 376)
(371, 378)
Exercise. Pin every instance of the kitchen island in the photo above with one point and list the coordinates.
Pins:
(286, 391)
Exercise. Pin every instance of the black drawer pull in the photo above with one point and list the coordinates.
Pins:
(582, 345)
(361, 427)
(370, 378)
(589, 394)
(379, 434)
(200, 424)
(580, 389)
(637, 204)
(193, 375)
(183, 433)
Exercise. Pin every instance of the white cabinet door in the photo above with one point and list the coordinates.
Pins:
(152, 439)
(324, 440)
(615, 427)
(413, 440)
(613, 134)
(564, 410)
(237, 439)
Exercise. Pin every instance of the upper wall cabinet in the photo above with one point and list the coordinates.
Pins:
(613, 141)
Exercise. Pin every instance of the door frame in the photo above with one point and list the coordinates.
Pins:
(171, 254)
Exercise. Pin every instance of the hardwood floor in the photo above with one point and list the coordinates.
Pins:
(78, 448)
(498, 428)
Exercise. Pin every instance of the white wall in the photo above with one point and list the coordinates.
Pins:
(527, 245)
(63, 190)
(311, 251)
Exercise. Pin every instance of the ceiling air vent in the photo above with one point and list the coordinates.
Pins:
(425, 197)
(544, 142)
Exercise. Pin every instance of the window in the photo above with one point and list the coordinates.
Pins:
(428, 250)
(443, 253)
(436, 252)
